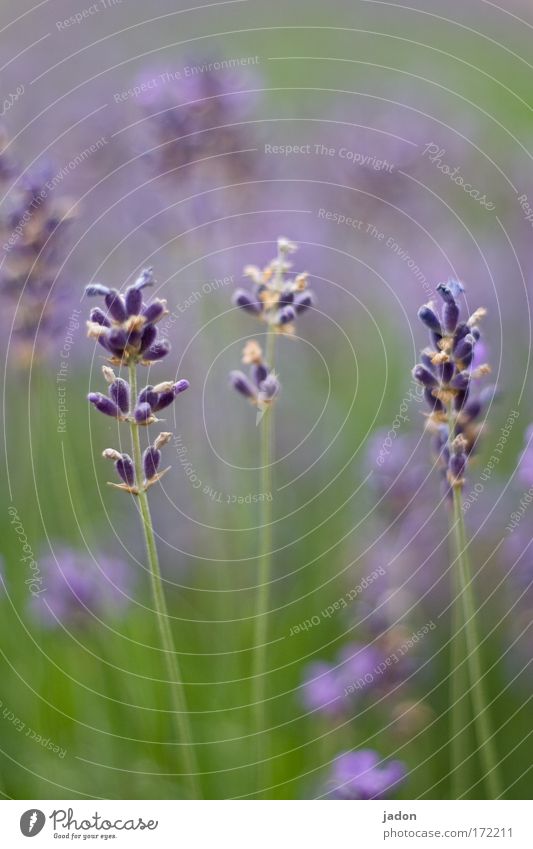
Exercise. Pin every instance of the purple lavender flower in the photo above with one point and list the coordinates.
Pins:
(362, 775)
(332, 688)
(276, 299)
(194, 117)
(127, 327)
(33, 221)
(446, 373)
(76, 589)
(525, 464)
(262, 387)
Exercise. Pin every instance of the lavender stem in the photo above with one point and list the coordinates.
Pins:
(466, 599)
(263, 586)
(180, 713)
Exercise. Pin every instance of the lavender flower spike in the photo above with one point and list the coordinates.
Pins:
(127, 328)
(262, 387)
(276, 298)
(361, 775)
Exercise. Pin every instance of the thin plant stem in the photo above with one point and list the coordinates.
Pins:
(459, 707)
(482, 726)
(179, 702)
(264, 576)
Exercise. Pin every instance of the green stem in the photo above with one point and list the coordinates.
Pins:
(458, 696)
(263, 583)
(179, 702)
(481, 717)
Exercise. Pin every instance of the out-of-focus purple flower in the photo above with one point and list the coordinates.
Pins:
(263, 386)
(33, 221)
(331, 688)
(75, 589)
(363, 775)
(397, 472)
(525, 466)
(276, 298)
(321, 689)
(195, 117)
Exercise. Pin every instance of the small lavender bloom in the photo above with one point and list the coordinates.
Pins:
(128, 329)
(277, 299)
(77, 590)
(525, 465)
(361, 775)
(33, 223)
(447, 372)
(321, 691)
(262, 387)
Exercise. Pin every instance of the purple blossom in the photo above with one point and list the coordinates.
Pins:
(33, 221)
(262, 386)
(362, 775)
(76, 589)
(126, 329)
(446, 373)
(276, 299)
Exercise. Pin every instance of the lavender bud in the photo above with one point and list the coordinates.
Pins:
(104, 404)
(120, 393)
(154, 311)
(117, 341)
(270, 387)
(115, 304)
(244, 300)
(461, 331)
(450, 315)
(461, 380)
(181, 386)
(148, 337)
(151, 460)
(134, 300)
(126, 470)
(447, 371)
(146, 278)
(147, 396)
(303, 301)
(424, 376)
(99, 317)
(435, 403)
(240, 382)
(450, 291)
(286, 315)
(286, 297)
(428, 316)
(259, 373)
(464, 346)
(157, 351)
(143, 413)
(164, 399)
(94, 289)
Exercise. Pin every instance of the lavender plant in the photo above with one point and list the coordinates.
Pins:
(127, 330)
(447, 372)
(363, 775)
(276, 300)
(32, 226)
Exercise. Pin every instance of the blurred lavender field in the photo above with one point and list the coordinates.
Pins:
(393, 146)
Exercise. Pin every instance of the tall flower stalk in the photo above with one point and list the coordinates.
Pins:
(447, 371)
(276, 299)
(127, 330)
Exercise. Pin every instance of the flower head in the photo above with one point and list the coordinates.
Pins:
(77, 587)
(362, 775)
(33, 222)
(262, 386)
(276, 298)
(446, 372)
(126, 328)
